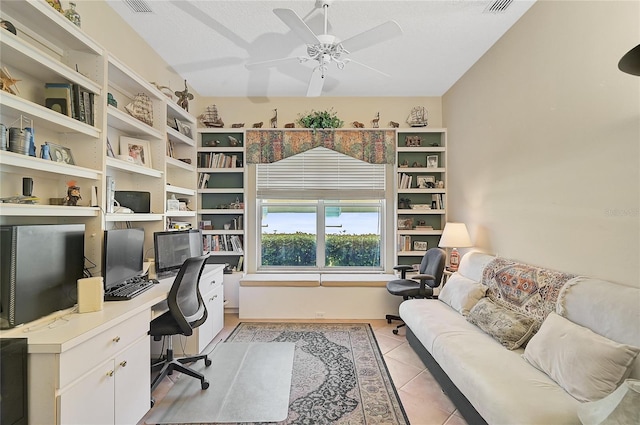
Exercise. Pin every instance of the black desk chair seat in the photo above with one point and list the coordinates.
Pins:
(187, 311)
(421, 285)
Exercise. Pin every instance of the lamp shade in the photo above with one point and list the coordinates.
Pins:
(455, 235)
(620, 407)
(630, 62)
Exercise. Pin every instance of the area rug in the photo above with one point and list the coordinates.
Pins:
(339, 375)
(249, 382)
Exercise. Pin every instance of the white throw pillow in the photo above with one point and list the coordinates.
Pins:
(587, 365)
(461, 293)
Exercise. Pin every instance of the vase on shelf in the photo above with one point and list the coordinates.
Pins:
(72, 14)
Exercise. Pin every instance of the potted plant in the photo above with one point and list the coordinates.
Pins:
(320, 119)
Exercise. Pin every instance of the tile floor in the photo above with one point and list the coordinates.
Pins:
(421, 396)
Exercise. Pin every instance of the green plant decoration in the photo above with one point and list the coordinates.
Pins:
(320, 119)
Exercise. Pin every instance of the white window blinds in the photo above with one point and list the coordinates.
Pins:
(320, 173)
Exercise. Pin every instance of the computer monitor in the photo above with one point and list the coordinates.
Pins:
(173, 247)
(122, 256)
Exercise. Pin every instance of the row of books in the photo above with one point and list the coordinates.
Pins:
(70, 100)
(231, 243)
(405, 180)
(404, 243)
(203, 180)
(437, 201)
(217, 160)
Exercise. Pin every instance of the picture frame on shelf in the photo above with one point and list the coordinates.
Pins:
(61, 154)
(110, 152)
(184, 128)
(172, 123)
(432, 161)
(426, 182)
(405, 223)
(137, 149)
(420, 245)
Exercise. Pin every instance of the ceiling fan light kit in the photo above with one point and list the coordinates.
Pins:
(326, 48)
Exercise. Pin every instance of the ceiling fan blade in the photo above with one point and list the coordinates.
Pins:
(384, 74)
(297, 25)
(273, 62)
(316, 82)
(375, 35)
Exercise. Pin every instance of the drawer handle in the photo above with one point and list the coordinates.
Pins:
(123, 363)
(110, 373)
(213, 298)
(116, 339)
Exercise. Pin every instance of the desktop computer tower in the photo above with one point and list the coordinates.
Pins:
(39, 269)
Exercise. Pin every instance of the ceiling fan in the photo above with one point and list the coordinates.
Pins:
(326, 48)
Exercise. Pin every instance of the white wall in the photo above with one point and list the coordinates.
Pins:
(544, 136)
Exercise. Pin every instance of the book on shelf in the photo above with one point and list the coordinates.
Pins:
(404, 243)
(240, 262)
(203, 180)
(57, 96)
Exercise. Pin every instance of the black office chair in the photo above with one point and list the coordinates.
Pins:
(186, 312)
(421, 285)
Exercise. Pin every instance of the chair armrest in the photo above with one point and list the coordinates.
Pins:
(403, 268)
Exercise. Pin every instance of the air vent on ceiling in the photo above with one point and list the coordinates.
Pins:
(139, 6)
(498, 6)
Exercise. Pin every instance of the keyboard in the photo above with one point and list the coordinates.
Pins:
(129, 289)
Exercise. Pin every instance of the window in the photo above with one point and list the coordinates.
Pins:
(320, 210)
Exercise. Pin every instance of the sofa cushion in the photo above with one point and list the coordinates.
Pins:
(529, 290)
(461, 293)
(509, 328)
(588, 366)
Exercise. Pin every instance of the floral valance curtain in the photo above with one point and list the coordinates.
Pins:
(372, 146)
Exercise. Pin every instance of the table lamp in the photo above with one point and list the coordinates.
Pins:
(454, 235)
(620, 407)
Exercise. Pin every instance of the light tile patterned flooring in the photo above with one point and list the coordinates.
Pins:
(421, 396)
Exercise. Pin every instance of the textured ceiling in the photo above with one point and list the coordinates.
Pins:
(209, 42)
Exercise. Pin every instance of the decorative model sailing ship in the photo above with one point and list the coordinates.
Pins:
(210, 117)
(141, 108)
(417, 117)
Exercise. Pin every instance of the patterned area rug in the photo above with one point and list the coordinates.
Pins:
(339, 375)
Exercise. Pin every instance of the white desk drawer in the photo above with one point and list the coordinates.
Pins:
(75, 362)
(211, 277)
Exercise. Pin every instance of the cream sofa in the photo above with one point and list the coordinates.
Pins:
(491, 383)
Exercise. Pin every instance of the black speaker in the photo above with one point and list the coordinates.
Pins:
(27, 186)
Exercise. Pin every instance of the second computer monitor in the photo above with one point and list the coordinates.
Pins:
(173, 247)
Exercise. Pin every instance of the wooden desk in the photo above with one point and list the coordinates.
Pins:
(94, 367)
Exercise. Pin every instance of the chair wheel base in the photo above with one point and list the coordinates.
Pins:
(153, 402)
(395, 331)
(204, 384)
(207, 362)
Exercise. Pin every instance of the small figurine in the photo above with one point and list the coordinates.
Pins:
(290, 125)
(357, 124)
(73, 194)
(233, 141)
(257, 125)
(274, 120)
(8, 81)
(238, 125)
(184, 97)
(375, 121)
(393, 124)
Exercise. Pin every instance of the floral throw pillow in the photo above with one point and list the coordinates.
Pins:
(509, 328)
